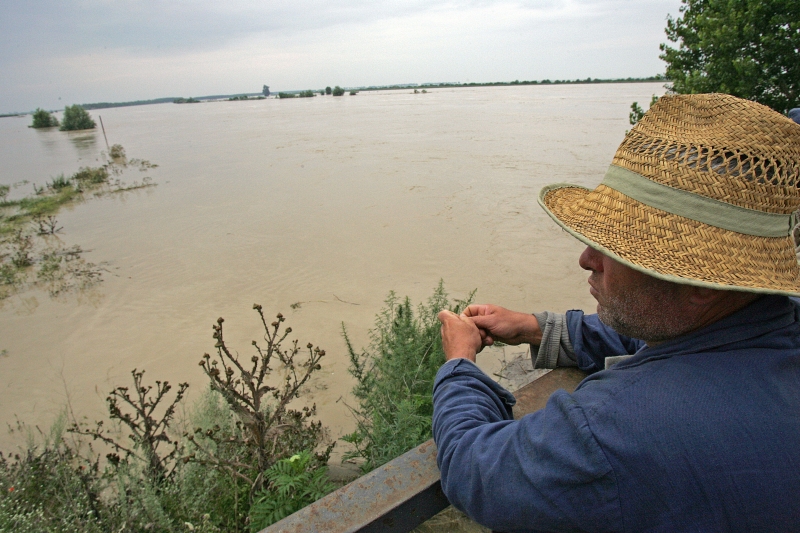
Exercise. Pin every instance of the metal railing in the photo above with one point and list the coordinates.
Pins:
(405, 492)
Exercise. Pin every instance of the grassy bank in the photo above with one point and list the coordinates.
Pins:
(32, 254)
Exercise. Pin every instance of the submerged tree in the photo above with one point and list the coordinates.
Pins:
(77, 118)
(43, 119)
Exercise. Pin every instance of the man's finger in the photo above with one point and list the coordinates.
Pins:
(445, 315)
(475, 310)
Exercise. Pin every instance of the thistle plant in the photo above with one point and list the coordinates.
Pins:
(266, 428)
(136, 409)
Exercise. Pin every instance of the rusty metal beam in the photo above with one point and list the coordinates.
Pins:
(405, 492)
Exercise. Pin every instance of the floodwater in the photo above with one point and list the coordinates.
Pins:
(329, 202)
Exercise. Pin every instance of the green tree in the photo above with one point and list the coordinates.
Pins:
(76, 118)
(338, 91)
(328, 89)
(43, 119)
(747, 48)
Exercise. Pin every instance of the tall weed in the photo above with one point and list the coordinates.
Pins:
(395, 378)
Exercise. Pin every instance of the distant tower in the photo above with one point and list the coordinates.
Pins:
(266, 90)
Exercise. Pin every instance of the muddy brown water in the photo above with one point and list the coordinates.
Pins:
(331, 202)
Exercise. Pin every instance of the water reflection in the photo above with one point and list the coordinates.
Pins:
(48, 139)
(84, 142)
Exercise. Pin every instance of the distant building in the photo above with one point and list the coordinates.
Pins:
(266, 90)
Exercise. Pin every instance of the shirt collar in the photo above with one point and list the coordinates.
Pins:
(767, 313)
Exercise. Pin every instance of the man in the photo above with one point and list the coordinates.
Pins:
(690, 417)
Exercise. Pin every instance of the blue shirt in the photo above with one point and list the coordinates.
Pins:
(701, 433)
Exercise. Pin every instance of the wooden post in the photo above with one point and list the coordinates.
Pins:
(104, 131)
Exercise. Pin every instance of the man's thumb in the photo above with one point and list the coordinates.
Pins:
(445, 315)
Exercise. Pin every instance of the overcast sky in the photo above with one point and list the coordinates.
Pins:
(59, 52)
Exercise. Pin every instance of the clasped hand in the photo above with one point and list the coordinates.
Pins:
(464, 335)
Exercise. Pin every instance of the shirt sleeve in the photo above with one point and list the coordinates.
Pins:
(545, 471)
(593, 341)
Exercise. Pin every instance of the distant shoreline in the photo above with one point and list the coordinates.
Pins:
(445, 85)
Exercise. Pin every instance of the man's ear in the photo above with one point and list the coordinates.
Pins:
(704, 296)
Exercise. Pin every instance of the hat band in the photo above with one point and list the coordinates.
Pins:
(696, 207)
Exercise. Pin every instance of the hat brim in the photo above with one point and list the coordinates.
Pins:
(671, 247)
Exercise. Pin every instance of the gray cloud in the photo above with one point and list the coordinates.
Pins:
(90, 50)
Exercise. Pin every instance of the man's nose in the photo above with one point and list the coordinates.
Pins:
(591, 259)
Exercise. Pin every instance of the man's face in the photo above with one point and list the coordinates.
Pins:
(633, 303)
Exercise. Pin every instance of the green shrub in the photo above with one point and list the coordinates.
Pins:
(328, 89)
(76, 118)
(286, 95)
(353, 93)
(93, 175)
(43, 119)
(58, 183)
(4, 190)
(338, 91)
(395, 378)
(294, 482)
(306, 94)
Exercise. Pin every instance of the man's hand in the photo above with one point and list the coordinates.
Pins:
(460, 337)
(497, 324)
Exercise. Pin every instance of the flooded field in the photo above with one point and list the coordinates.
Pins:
(313, 207)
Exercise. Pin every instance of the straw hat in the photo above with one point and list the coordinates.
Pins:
(702, 191)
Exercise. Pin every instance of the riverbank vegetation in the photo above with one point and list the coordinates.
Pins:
(43, 119)
(32, 252)
(76, 118)
(243, 457)
(246, 454)
(394, 378)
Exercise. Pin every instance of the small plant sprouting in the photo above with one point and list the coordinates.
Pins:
(48, 225)
(266, 429)
(137, 409)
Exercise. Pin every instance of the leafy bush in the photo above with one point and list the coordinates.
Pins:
(338, 91)
(76, 118)
(353, 93)
(286, 95)
(395, 378)
(306, 94)
(328, 89)
(294, 482)
(43, 119)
